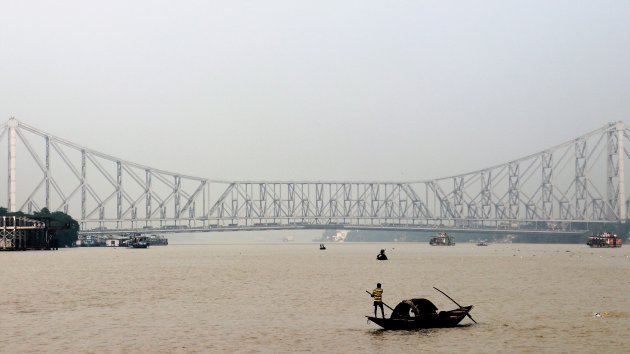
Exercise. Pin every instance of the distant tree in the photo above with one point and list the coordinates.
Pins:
(43, 212)
(66, 228)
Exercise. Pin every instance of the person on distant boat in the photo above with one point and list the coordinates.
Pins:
(381, 256)
(377, 294)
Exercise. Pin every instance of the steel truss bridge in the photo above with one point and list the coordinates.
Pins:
(574, 183)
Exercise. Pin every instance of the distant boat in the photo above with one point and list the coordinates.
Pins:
(156, 240)
(288, 239)
(442, 240)
(605, 239)
(482, 243)
(138, 241)
(321, 246)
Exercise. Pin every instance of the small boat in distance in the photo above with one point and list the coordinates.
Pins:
(605, 240)
(420, 313)
(157, 240)
(321, 246)
(482, 243)
(138, 241)
(442, 240)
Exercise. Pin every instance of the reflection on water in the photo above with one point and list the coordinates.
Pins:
(291, 297)
(381, 333)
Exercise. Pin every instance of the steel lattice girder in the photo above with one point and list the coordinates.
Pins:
(580, 180)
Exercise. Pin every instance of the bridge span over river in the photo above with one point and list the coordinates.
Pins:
(560, 189)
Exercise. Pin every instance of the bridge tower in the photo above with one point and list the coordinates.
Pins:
(616, 193)
(11, 202)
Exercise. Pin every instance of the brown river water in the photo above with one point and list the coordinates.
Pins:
(292, 298)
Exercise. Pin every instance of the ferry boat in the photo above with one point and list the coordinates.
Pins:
(605, 239)
(442, 240)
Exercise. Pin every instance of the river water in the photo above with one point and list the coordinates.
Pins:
(292, 297)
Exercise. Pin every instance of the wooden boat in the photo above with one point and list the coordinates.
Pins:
(322, 247)
(421, 313)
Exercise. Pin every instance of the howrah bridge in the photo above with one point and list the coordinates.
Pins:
(577, 182)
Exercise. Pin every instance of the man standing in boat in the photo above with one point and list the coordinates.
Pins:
(377, 294)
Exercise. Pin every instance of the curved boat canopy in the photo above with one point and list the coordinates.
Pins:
(417, 307)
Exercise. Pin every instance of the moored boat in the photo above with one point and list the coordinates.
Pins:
(138, 241)
(421, 313)
(604, 240)
(157, 240)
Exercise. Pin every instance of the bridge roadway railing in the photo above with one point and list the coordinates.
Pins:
(579, 181)
(535, 229)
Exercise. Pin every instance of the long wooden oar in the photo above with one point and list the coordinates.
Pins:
(381, 301)
(460, 306)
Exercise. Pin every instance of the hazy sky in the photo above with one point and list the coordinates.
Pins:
(313, 90)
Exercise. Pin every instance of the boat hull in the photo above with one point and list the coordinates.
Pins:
(443, 319)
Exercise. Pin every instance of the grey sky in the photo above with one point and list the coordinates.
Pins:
(312, 90)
